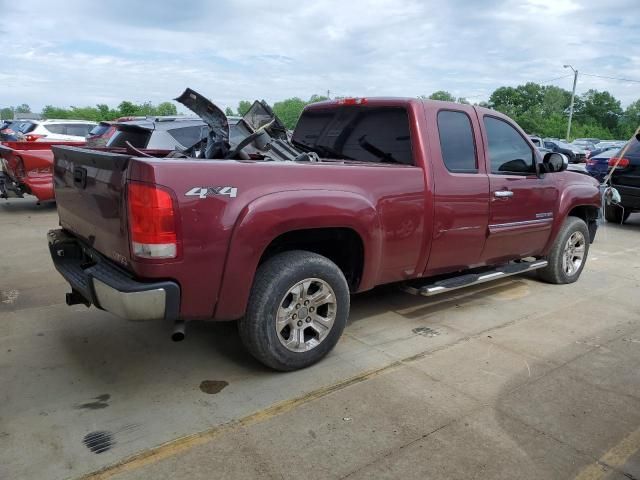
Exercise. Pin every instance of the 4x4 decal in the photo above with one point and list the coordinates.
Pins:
(204, 192)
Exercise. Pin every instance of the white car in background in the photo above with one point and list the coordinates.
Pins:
(55, 130)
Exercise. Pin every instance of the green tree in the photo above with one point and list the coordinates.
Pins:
(289, 110)
(555, 100)
(6, 113)
(243, 107)
(49, 111)
(166, 108)
(127, 109)
(317, 98)
(23, 108)
(630, 120)
(463, 100)
(228, 112)
(599, 108)
(442, 95)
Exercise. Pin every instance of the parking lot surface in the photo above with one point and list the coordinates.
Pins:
(515, 379)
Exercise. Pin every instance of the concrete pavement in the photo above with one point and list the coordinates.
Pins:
(516, 379)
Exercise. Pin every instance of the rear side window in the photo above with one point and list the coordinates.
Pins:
(362, 133)
(138, 137)
(56, 128)
(456, 141)
(508, 151)
(189, 136)
(78, 129)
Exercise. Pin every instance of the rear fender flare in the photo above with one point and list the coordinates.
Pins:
(269, 216)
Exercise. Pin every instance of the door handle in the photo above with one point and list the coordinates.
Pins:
(503, 193)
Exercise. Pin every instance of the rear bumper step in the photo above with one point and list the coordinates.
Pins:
(469, 279)
(95, 280)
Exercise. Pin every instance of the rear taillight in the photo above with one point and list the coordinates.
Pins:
(19, 168)
(621, 162)
(152, 221)
(32, 137)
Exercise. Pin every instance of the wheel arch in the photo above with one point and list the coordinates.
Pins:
(578, 200)
(300, 220)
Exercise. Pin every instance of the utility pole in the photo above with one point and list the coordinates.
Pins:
(329, 94)
(573, 96)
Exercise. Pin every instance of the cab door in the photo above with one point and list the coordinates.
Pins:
(460, 188)
(522, 204)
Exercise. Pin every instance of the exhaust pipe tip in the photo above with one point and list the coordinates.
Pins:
(178, 332)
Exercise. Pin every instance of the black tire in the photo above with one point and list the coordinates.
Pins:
(554, 271)
(616, 213)
(273, 280)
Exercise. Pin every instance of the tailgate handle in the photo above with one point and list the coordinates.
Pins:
(80, 177)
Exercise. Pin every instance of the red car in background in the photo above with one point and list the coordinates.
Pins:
(101, 133)
(28, 169)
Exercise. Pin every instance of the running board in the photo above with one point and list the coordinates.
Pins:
(470, 279)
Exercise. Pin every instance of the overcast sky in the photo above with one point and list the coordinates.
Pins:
(82, 52)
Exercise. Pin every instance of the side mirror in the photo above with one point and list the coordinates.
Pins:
(555, 162)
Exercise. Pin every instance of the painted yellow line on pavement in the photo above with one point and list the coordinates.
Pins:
(182, 444)
(615, 457)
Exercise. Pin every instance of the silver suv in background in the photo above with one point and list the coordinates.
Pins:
(54, 130)
(159, 133)
(162, 133)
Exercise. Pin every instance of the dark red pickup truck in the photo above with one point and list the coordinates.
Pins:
(432, 195)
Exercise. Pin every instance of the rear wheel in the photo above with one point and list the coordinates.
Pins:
(297, 310)
(616, 213)
(568, 254)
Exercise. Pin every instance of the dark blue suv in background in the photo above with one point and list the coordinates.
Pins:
(626, 179)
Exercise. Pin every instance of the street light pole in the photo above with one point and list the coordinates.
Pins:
(573, 96)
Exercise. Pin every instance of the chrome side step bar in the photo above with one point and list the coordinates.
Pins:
(470, 279)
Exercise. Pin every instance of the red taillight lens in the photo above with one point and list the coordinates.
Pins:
(152, 221)
(622, 162)
(32, 137)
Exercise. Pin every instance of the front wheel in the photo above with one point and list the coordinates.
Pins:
(297, 310)
(568, 254)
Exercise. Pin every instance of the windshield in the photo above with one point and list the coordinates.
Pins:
(366, 134)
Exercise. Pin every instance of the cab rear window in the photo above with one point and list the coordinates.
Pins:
(361, 133)
(138, 137)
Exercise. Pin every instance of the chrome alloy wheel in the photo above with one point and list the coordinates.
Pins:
(573, 255)
(306, 315)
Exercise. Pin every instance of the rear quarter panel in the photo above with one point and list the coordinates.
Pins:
(225, 235)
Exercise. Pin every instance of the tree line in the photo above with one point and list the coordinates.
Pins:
(98, 113)
(538, 109)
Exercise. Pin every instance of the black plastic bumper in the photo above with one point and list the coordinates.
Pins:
(98, 281)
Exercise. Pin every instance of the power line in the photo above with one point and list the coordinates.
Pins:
(556, 78)
(611, 78)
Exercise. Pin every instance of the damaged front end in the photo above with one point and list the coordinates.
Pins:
(258, 135)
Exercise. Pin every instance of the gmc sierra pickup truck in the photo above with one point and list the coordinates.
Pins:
(277, 232)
